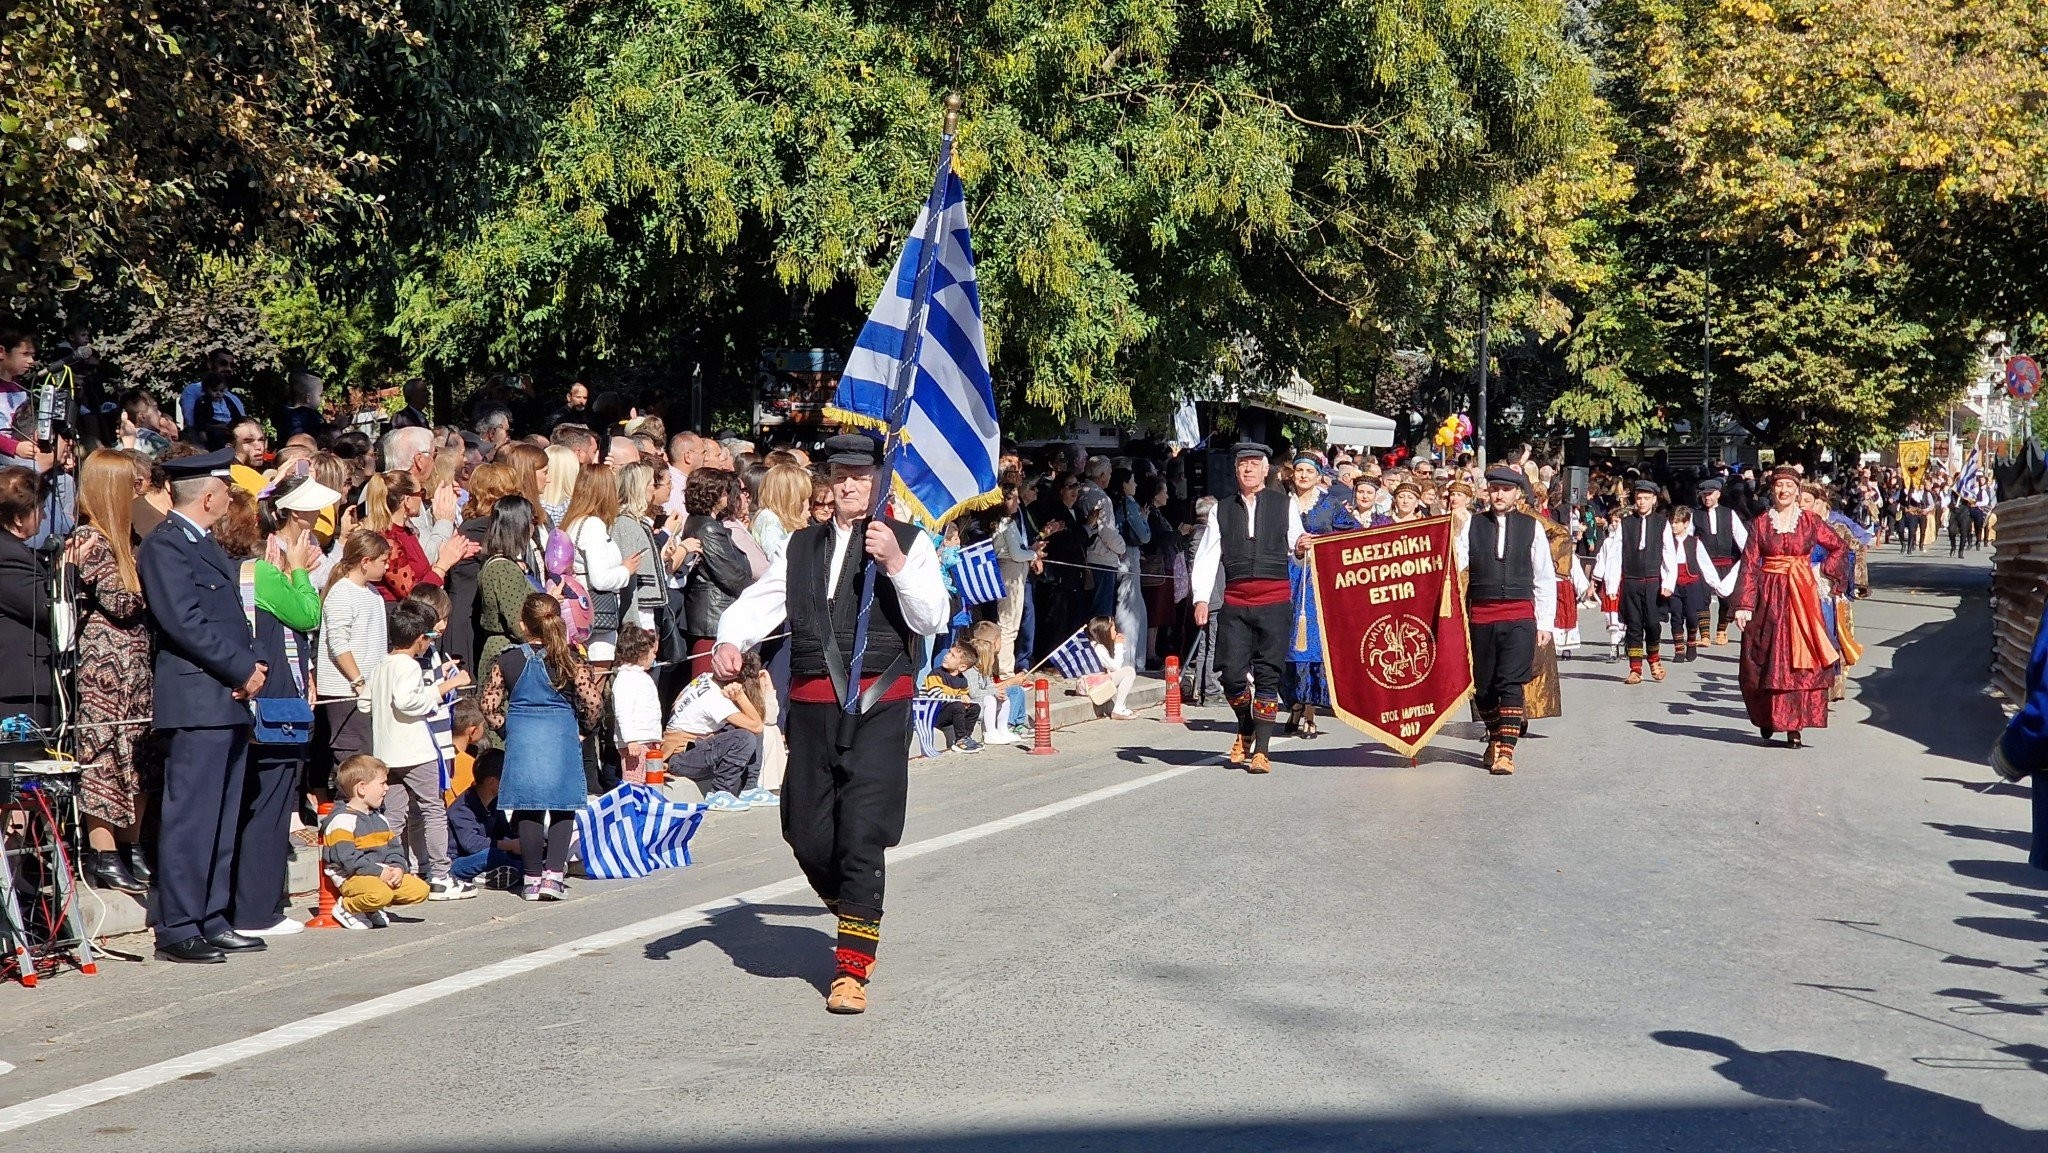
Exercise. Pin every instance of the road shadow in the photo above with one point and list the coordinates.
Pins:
(1725, 736)
(1990, 788)
(1896, 573)
(1930, 693)
(1141, 756)
(759, 946)
(2018, 874)
(1797, 1100)
(2011, 838)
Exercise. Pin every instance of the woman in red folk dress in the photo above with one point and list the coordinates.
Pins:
(1787, 658)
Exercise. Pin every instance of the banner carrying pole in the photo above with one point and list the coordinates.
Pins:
(899, 402)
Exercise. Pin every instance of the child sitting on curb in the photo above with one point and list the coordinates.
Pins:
(359, 851)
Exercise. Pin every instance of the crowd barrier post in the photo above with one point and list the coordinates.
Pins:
(1042, 719)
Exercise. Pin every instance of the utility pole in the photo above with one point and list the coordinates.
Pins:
(1479, 408)
(1707, 368)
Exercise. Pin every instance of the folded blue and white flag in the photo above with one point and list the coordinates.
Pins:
(945, 461)
(1076, 658)
(634, 830)
(979, 577)
(924, 713)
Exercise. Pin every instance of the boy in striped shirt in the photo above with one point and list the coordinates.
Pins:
(358, 850)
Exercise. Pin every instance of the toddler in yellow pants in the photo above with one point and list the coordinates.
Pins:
(358, 850)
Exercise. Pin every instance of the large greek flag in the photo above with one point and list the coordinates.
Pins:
(634, 830)
(929, 316)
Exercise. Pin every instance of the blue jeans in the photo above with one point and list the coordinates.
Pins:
(1027, 630)
(1105, 591)
(476, 864)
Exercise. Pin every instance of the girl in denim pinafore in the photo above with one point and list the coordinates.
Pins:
(543, 782)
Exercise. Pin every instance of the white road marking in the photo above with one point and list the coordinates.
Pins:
(311, 1028)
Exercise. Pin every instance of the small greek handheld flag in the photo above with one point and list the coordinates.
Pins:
(634, 830)
(1077, 658)
(979, 577)
(946, 463)
(1970, 483)
(924, 713)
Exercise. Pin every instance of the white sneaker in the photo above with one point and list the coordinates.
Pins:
(350, 920)
(450, 889)
(285, 927)
(724, 802)
(999, 737)
(377, 919)
(1123, 714)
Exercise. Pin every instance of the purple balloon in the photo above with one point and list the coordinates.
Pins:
(560, 555)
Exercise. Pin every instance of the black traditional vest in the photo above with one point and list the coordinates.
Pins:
(1262, 554)
(817, 620)
(1510, 576)
(1718, 538)
(1644, 561)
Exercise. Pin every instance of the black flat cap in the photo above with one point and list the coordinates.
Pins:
(201, 464)
(1648, 486)
(1711, 484)
(1503, 476)
(854, 449)
(1250, 448)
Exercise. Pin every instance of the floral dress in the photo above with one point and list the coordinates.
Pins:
(115, 680)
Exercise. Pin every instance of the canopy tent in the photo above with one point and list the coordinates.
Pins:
(1342, 423)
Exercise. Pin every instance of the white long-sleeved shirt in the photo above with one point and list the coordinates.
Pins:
(1013, 544)
(1708, 521)
(599, 565)
(1209, 553)
(1607, 565)
(1544, 587)
(1693, 550)
(401, 699)
(351, 621)
(920, 590)
(636, 706)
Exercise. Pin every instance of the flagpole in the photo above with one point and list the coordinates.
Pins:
(899, 400)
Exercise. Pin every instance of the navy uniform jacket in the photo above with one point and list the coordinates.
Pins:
(204, 649)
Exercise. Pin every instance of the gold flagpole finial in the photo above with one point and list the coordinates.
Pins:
(952, 112)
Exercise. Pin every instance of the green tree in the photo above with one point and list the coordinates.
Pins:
(1160, 191)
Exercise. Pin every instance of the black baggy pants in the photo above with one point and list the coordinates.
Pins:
(1642, 617)
(1251, 643)
(1688, 613)
(1503, 660)
(843, 808)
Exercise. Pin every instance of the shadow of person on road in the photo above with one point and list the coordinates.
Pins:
(1726, 736)
(1865, 1107)
(2018, 874)
(1930, 692)
(2011, 838)
(759, 946)
(1992, 788)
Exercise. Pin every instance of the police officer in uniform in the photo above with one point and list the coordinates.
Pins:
(1511, 601)
(206, 671)
(1639, 563)
(848, 778)
(1724, 536)
(1249, 537)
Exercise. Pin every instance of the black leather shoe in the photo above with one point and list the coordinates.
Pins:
(192, 951)
(108, 871)
(138, 864)
(234, 942)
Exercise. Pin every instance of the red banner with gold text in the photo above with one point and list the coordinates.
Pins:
(1395, 648)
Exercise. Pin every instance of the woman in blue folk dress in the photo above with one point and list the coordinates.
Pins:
(1322, 511)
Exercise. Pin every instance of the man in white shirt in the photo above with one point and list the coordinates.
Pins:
(848, 778)
(1511, 601)
(1247, 540)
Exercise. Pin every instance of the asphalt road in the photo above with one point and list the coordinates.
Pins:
(1657, 935)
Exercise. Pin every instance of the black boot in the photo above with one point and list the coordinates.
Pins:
(109, 871)
(138, 863)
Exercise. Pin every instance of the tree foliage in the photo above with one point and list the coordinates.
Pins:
(1160, 190)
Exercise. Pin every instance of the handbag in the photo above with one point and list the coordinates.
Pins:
(604, 605)
(277, 720)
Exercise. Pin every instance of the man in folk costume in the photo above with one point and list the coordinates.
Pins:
(1248, 540)
(1639, 565)
(847, 780)
(1724, 536)
(1699, 581)
(1511, 600)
